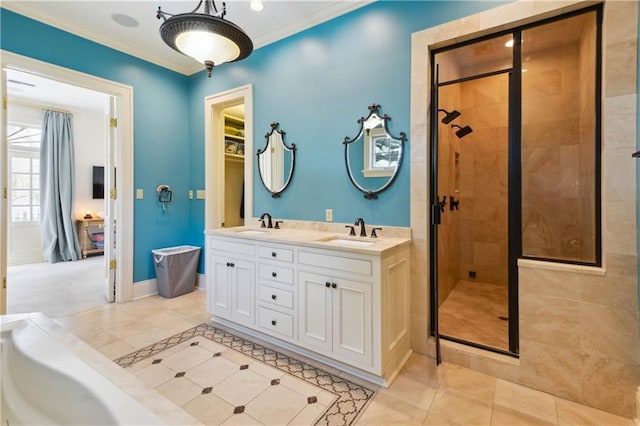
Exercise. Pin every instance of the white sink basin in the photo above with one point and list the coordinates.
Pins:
(252, 232)
(348, 242)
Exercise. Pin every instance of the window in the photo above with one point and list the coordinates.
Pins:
(24, 172)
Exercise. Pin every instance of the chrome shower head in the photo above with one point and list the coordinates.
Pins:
(462, 131)
(450, 115)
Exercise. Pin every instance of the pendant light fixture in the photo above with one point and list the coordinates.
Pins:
(207, 37)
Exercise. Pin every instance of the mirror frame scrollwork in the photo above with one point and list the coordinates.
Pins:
(374, 109)
(292, 148)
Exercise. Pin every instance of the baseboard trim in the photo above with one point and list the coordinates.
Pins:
(145, 288)
(150, 287)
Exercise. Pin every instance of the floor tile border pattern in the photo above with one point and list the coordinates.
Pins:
(351, 398)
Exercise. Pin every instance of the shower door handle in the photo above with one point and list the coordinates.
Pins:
(437, 209)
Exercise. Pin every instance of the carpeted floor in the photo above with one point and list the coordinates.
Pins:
(56, 289)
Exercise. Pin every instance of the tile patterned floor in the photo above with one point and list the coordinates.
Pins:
(206, 367)
(421, 394)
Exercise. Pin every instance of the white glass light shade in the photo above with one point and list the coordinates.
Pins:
(205, 46)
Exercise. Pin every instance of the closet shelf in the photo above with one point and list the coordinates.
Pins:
(234, 157)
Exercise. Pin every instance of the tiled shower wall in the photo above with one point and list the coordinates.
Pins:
(483, 180)
(578, 325)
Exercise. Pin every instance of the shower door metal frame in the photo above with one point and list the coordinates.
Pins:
(514, 209)
(514, 171)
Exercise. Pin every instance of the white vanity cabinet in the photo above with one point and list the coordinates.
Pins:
(231, 281)
(348, 308)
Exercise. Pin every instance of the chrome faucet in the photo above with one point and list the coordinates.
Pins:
(363, 230)
(269, 223)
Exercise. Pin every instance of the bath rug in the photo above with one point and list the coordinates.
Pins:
(350, 398)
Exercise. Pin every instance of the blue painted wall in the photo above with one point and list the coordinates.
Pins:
(161, 128)
(316, 84)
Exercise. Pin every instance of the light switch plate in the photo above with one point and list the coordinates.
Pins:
(139, 194)
(191, 194)
(200, 194)
(328, 214)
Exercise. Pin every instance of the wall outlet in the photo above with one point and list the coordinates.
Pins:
(200, 193)
(191, 194)
(139, 194)
(328, 215)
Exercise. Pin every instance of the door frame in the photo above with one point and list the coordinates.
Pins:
(123, 161)
(514, 209)
(214, 106)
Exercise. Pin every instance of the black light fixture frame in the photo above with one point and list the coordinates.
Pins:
(211, 20)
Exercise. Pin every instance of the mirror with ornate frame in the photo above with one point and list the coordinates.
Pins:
(374, 156)
(276, 161)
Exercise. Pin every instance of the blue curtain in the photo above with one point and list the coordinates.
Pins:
(57, 180)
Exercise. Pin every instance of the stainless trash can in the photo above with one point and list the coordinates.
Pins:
(176, 269)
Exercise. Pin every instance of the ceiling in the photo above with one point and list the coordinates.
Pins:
(98, 21)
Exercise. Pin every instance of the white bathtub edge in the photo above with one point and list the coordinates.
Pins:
(157, 404)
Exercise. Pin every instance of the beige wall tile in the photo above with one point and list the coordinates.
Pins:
(609, 332)
(620, 125)
(619, 170)
(551, 320)
(620, 223)
(620, 23)
(620, 68)
(550, 368)
(549, 283)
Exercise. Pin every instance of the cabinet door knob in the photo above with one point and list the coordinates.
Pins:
(274, 274)
(273, 322)
(274, 254)
(230, 264)
(273, 297)
(327, 284)
(334, 285)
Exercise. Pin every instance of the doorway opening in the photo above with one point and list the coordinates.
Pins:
(515, 160)
(228, 158)
(35, 285)
(117, 278)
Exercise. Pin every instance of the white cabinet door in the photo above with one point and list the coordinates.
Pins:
(352, 328)
(231, 288)
(314, 315)
(335, 317)
(218, 286)
(243, 294)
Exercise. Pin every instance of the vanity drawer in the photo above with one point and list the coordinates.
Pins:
(275, 273)
(275, 321)
(232, 247)
(276, 296)
(339, 263)
(275, 253)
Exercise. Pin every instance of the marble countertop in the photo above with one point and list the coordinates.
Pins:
(315, 239)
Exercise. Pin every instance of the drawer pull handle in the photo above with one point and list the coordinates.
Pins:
(274, 254)
(274, 274)
(231, 264)
(273, 322)
(334, 285)
(273, 297)
(327, 284)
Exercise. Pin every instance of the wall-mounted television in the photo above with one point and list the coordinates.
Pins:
(98, 182)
